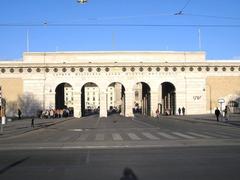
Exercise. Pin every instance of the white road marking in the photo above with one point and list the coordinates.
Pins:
(116, 137)
(183, 135)
(200, 135)
(133, 136)
(150, 136)
(99, 137)
(168, 136)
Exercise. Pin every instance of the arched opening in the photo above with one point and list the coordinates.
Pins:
(64, 100)
(90, 99)
(168, 106)
(116, 98)
(142, 98)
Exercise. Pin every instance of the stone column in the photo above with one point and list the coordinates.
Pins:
(50, 100)
(103, 103)
(128, 103)
(154, 103)
(77, 104)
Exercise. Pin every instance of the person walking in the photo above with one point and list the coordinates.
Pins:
(157, 113)
(217, 113)
(183, 111)
(226, 115)
(128, 174)
(32, 122)
(19, 114)
(179, 111)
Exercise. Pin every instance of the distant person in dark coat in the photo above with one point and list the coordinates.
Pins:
(183, 111)
(32, 122)
(217, 113)
(19, 114)
(128, 174)
(179, 111)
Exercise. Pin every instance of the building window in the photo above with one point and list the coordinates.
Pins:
(132, 69)
(38, 69)
(239, 69)
(107, 69)
(199, 69)
(93, 98)
(141, 69)
(21, 70)
(64, 69)
(166, 69)
(191, 69)
(224, 69)
(215, 68)
(98, 69)
(149, 69)
(174, 69)
(124, 69)
(157, 68)
(72, 69)
(47, 70)
(81, 69)
(111, 98)
(89, 69)
(207, 69)
(29, 70)
(3, 70)
(55, 69)
(232, 68)
(182, 68)
(87, 98)
(11, 70)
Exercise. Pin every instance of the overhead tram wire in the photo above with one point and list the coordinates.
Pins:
(118, 25)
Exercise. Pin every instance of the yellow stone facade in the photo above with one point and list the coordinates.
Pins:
(11, 88)
(221, 87)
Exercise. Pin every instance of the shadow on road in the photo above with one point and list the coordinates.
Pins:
(5, 169)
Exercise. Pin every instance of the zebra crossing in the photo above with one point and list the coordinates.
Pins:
(153, 136)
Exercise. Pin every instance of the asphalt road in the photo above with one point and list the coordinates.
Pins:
(187, 163)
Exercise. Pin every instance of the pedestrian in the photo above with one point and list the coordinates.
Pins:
(19, 114)
(179, 111)
(128, 174)
(217, 113)
(183, 111)
(226, 113)
(157, 112)
(32, 123)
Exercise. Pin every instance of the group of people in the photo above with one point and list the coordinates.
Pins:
(181, 110)
(225, 113)
(55, 113)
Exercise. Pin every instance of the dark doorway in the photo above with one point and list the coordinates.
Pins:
(168, 98)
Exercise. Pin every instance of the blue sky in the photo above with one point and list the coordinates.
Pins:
(218, 42)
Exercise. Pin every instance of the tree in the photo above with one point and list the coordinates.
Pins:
(28, 104)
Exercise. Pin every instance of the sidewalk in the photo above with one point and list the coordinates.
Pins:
(234, 119)
(19, 127)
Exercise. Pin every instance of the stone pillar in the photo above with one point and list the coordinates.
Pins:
(77, 104)
(154, 103)
(50, 100)
(128, 103)
(103, 104)
(160, 100)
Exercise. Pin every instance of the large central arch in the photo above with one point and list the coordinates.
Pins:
(116, 98)
(142, 98)
(90, 99)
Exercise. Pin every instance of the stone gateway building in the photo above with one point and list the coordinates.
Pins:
(127, 81)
